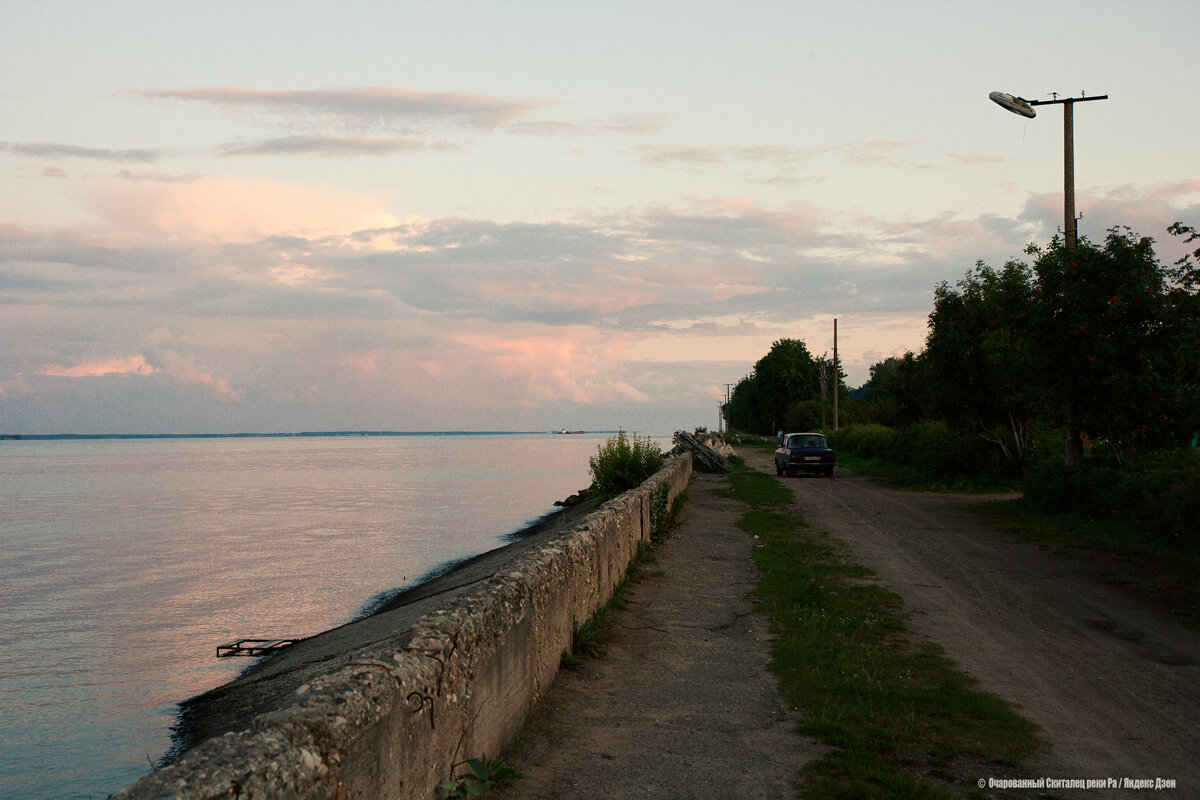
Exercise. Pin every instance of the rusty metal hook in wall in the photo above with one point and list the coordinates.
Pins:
(419, 700)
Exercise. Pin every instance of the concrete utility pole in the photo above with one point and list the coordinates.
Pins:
(1023, 107)
(835, 376)
(725, 409)
(1070, 232)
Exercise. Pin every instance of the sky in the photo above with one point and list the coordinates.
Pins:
(300, 216)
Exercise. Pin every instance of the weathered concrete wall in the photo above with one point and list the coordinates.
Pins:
(392, 724)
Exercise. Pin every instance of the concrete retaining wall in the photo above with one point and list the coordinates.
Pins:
(393, 724)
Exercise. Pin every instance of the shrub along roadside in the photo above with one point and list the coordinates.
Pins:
(900, 719)
(1162, 490)
(926, 454)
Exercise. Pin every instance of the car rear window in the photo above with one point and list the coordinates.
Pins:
(806, 441)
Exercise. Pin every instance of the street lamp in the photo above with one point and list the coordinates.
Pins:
(1019, 105)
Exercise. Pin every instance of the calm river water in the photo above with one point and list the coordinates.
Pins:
(126, 562)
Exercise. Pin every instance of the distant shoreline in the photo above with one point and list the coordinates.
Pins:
(302, 434)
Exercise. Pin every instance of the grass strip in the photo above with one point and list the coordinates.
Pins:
(901, 721)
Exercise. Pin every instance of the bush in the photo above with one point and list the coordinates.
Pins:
(1162, 491)
(623, 463)
(932, 452)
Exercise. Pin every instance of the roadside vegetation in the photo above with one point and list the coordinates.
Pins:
(899, 719)
(1072, 378)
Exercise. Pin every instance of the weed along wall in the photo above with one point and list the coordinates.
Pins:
(392, 723)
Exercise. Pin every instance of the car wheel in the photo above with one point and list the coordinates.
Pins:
(791, 472)
(829, 472)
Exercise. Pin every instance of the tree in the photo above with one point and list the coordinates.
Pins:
(896, 392)
(788, 374)
(1109, 329)
(1184, 302)
(978, 355)
(785, 377)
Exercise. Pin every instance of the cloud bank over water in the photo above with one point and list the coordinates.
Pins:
(542, 242)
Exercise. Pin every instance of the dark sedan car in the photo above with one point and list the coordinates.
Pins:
(807, 452)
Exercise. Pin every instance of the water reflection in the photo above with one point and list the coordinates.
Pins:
(128, 561)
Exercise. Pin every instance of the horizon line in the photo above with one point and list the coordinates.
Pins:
(279, 434)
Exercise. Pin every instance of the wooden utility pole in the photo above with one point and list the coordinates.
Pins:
(835, 376)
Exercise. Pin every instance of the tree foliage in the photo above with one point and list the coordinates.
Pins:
(1105, 339)
(1099, 341)
(896, 393)
(1102, 341)
(783, 390)
(979, 358)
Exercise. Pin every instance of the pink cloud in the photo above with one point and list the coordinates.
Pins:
(770, 153)
(15, 387)
(232, 209)
(361, 365)
(118, 365)
(183, 369)
(798, 218)
(873, 152)
(577, 364)
(42, 171)
(1174, 192)
(603, 291)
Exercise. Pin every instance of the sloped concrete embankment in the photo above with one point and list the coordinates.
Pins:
(393, 723)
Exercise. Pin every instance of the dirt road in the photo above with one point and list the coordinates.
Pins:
(683, 705)
(1114, 685)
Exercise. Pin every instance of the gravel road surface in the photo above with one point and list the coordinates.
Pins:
(1114, 684)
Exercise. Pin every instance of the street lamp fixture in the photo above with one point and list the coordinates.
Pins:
(1019, 105)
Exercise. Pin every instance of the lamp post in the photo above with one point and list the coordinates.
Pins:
(1019, 105)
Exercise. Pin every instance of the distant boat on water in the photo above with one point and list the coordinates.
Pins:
(564, 430)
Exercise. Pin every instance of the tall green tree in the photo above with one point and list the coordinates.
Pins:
(897, 391)
(1107, 338)
(1184, 302)
(785, 379)
(788, 374)
(979, 358)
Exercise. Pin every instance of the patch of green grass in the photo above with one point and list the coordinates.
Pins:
(902, 722)
(1142, 560)
(756, 489)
